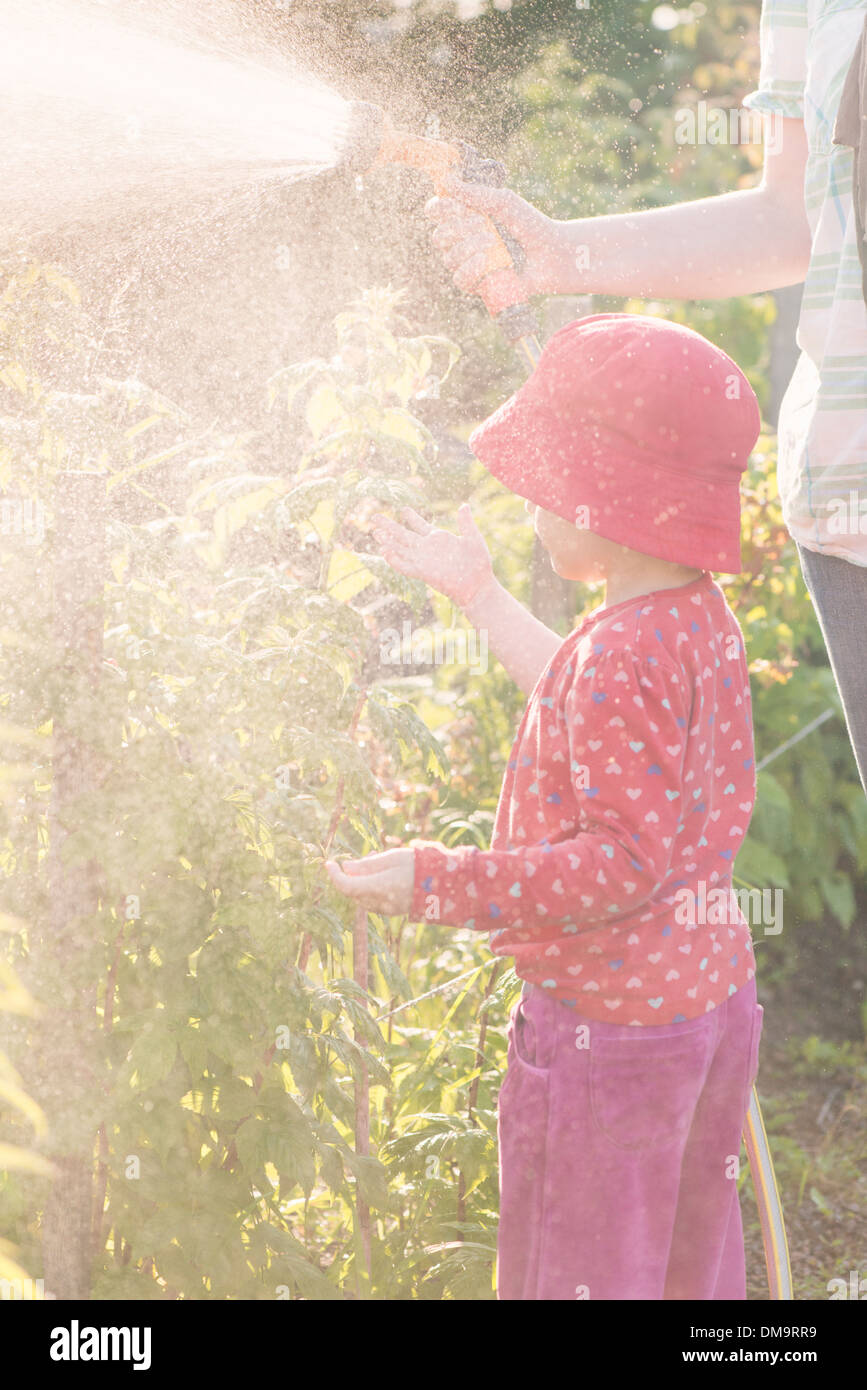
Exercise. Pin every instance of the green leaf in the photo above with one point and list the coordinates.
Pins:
(293, 1262)
(760, 866)
(371, 1177)
(839, 895)
(152, 1056)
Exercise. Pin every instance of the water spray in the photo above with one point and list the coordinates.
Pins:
(371, 141)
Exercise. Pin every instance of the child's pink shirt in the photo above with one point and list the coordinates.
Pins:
(631, 780)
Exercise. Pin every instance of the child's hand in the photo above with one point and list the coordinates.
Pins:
(380, 882)
(457, 566)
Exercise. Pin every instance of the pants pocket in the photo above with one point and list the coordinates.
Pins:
(644, 1091)
(532, 1034)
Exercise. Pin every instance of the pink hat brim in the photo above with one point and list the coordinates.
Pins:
(629, 498)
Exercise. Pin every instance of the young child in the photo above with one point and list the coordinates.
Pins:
(627, 796)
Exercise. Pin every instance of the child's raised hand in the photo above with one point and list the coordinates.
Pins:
(457, 566)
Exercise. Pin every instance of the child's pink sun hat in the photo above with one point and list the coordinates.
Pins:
(637, 429)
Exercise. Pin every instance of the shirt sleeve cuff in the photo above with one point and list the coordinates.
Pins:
(771, 102)
(439, 893)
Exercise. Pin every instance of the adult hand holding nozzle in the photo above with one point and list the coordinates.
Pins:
(499, 262)
(467, 216)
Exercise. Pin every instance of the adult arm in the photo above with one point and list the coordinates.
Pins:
(745, 242)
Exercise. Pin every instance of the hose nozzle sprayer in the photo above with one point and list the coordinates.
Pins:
(371, 141)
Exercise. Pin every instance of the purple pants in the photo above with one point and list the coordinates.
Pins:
(619, 1153)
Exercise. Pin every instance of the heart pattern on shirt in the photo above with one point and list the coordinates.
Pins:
(667, 737)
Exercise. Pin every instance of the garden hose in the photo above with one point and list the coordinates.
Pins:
(371, 141)
(768, 1202)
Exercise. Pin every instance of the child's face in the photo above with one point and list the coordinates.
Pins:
(575, 552)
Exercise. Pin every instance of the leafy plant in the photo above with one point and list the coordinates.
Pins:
(241, 715)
